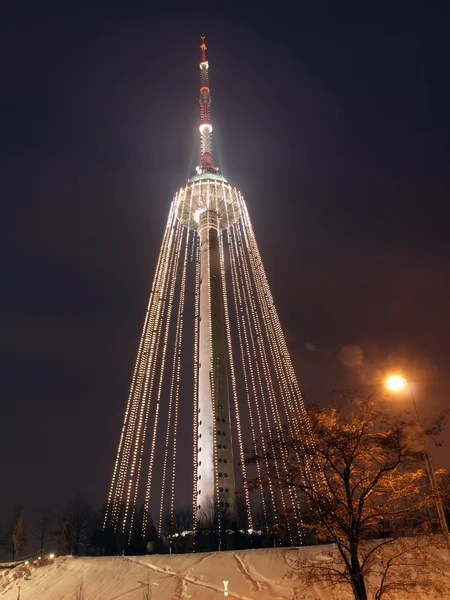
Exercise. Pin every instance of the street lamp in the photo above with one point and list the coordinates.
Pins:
(396, 384)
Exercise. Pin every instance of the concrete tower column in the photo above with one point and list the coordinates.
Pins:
(215, 454)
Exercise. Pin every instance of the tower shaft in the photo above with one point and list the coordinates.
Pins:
(216, 482)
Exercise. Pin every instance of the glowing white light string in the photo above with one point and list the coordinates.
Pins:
(301, 421)
(156, 348)
(177, 390)
(292, 399)
(174, 386)
(147, 393)
(214, 373)
(262, 327)
(232, 373)
(178, 347)
(252, 356)
(258, 347)
(297, 398)
(172, 278)
(267, 301)
(125, 442)
(195, 378)
(173, 383)
(238, 305)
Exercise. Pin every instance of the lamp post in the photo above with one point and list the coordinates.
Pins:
(396, 384)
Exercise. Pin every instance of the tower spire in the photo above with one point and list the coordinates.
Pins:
(206, 165)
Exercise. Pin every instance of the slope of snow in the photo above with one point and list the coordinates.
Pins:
(252, 575)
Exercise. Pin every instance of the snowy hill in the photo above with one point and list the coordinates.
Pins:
(252, 575)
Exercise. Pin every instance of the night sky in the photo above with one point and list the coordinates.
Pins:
(331, 118)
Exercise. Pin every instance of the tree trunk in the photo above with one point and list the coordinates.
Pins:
(358, 583)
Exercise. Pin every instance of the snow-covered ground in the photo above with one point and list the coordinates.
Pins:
(252, 575)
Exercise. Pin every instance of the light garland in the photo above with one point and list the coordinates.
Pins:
(146, 393)
(195, 394)
(173, 279)
(259, 295)
(244, 357)
(279, 349)
(174, 385)
(233, 376)
(123, 454)
(258, 349)
(251, 352)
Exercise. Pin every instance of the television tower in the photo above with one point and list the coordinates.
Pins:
(235, 403)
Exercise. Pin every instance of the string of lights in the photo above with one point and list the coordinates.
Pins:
(174, 393)
(164, 305)
(261, 296)
(244, 353)
(234, 384)
(252, 354)
(294, 410)
(126, 438)
(259, 351)
(173, 278)
(195, 392)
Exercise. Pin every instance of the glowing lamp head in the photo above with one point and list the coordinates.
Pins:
(205, 127)
(52, 556)
(395, 383)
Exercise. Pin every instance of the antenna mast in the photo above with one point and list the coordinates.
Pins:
(206, 165)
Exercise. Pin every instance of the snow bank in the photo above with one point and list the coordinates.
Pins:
(252, 575)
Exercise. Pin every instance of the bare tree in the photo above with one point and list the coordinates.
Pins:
(12, 538)
(18, 536)
(362, 487)
(65, 538)
(78, 515)
(178, 521)
(43, 528)
(443, 480)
